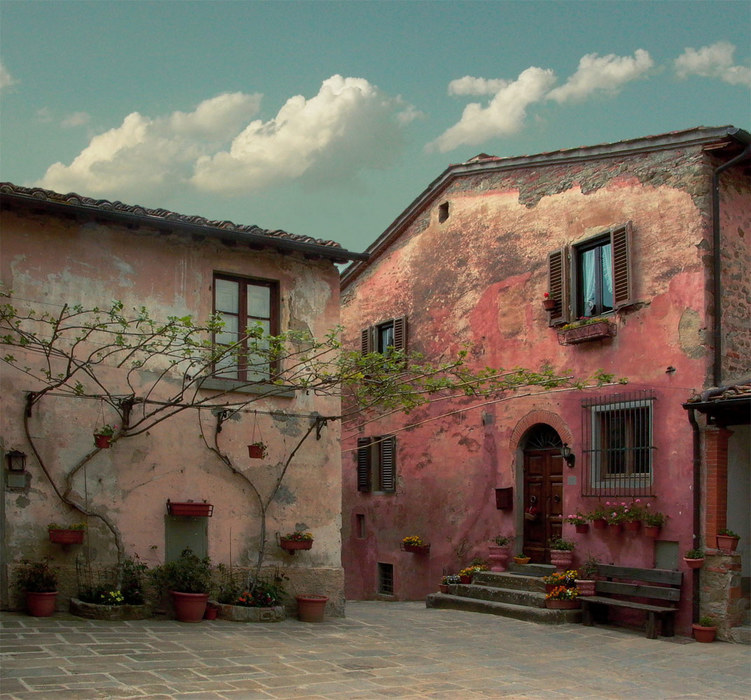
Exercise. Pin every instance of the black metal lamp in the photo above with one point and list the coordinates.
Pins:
(16, 460)
(568, 455)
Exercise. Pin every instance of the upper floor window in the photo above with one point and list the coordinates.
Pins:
(244, 305)
(618, 444)
(376, 463)
(389, 335)
(591, 278)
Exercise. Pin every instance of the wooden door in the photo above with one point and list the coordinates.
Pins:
(543, 501)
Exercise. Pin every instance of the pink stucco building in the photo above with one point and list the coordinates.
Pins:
(66, 249)
(633, 234)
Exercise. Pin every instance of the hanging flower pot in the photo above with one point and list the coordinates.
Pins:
(547, 303)
(61, 535)
(652, 530)
(295, 541)
(694, 563)
(582, 529)
(102, 441)
(616, 528)
(599, 523)
(633, 525)
(257, 450)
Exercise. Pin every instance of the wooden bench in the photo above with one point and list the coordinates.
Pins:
(630, 588)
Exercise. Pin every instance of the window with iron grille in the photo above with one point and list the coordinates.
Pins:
(376, 463)
(618, 445)
(385, 579)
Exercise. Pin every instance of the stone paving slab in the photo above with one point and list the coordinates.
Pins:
(380, 650)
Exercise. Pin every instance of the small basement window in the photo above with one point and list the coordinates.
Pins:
(385, 579)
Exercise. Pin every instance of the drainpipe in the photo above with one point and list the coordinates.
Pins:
(696, 540)
(717, 262)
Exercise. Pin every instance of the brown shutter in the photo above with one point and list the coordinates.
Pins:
(388, 464)
(620, 240)
(400, 333)
(366, 340)
(363, 464)
(558, 285)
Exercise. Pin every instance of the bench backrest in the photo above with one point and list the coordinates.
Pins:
(634, 582)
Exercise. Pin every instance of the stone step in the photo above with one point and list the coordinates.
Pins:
(508, 581)
(516, 596)
(741, 635)
(518, 612)
(530, 569)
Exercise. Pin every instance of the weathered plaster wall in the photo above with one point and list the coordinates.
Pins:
(47, 261)
(479, 278)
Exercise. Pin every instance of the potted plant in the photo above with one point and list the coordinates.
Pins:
(243, 598)
(188, 581)
(66, 534)
(38, 582)
(257, 450)
(562, 598)
(704, 630)
(588, 571)
(727, 540)
(103, 435)
(498, 552)
(521, 558)
(615, 516)
(293, 541)
(415, 544)
(560, 578)
(579, 521)
(547, 303)
(586, 329)
(653, 522)
(632, 516)
(694, 558)
(449, 580)
(561, 553)
(598, 517)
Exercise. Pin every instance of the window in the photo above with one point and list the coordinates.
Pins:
(385, 579)
(376, 464)
(443, 212)
(591, 278)
(245, 304)
(391, 334)
(617, 432)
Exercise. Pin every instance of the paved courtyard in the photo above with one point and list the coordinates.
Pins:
(380, 650)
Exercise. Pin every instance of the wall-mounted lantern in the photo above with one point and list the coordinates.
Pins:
(16, 461)
(568, 456)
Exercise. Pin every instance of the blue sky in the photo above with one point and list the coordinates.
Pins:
(327, 119)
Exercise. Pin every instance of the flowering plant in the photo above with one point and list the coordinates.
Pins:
(500, 540)
(563, 593)
(470, 570)
(106, 429)
(562, 578)
(577, 519)
(599, 513)
(654, 518)
(450, 579)
(414, 540)
(562, 545)
(298, 536)
(633, 511)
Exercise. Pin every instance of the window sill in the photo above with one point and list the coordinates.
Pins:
(234, 386)
(587, 332)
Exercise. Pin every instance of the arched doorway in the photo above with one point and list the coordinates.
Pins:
(543, 491)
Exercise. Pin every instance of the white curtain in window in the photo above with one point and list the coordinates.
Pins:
(588, 272)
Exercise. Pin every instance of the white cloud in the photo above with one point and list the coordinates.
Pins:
(606, 73)
(714, 61)
(476, 86)
(504, 115)
(6, 79)
(146, 156)
(347, 127)
(75, 119)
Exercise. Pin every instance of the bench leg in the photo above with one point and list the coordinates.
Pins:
(651, 625)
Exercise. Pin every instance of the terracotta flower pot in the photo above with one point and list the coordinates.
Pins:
(60, 536)
(257, 450)
(465, 579)
(555, 604)
(582, 529)
(417, 548)
(311, 608)
(633, 525)
(41, 604)
(652, 530)
(443, 588)
(292, 546)
(102, 441)
(702, 633)
(498, 556)
(599, 523)
(726, 543)
(521, 560)
(694, 563)
(561, 559)
(548, 304)
(189, 607)
(615, 528)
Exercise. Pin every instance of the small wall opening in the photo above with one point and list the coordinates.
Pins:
(385, 579)
(360, 526)
(443, 212)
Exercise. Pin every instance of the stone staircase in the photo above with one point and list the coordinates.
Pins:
(518, 593)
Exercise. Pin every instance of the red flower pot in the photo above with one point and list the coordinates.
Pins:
(702, 633)
(693, 563)
(189, 607)
(554, 604)
(599, 523)
(548, 304)
(652, 530)
(417, 548)
(59, 536)
(41, 604)
(582, 529)
(443, 588)
(726, 543)
(103, 441)
(311, 608)
(633, 525)
(465, 579)
(616, 528)
(190, 509)
(257, 451)
(292, 546)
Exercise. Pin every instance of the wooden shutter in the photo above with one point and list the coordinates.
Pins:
(400, 333)
(620, 240)
(363, 464)
(558, 285)
(366, 340)
(388, 464)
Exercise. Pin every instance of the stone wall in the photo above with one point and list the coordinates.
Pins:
(721, 597)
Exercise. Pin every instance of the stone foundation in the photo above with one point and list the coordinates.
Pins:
(721, 597)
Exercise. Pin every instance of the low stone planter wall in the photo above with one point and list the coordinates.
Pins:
(93, 611)
(240, 613)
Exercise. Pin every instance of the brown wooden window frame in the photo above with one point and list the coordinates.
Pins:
(246, 320)
(376, 464)
(564, 277)
(371, 337)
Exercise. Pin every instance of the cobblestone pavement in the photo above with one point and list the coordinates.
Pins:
(380, 650)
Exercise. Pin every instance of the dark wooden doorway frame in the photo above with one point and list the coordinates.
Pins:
(542, 491)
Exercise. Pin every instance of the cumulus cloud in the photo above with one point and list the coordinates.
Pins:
(504, 115)
(6, 79)
(152, 156)
(476, 86)
(713, 61)
(607, 73)
(75, 119)
(347, 127)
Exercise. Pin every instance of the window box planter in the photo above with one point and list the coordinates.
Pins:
(292, 546)
(61, 536)
(727, 543)
(417, 548)
(190, 509)
(587, 332)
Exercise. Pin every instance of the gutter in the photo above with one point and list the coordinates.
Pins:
(717, 258)
(697, 536)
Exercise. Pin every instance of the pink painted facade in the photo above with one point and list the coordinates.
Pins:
(468, 263)
(58, 250)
